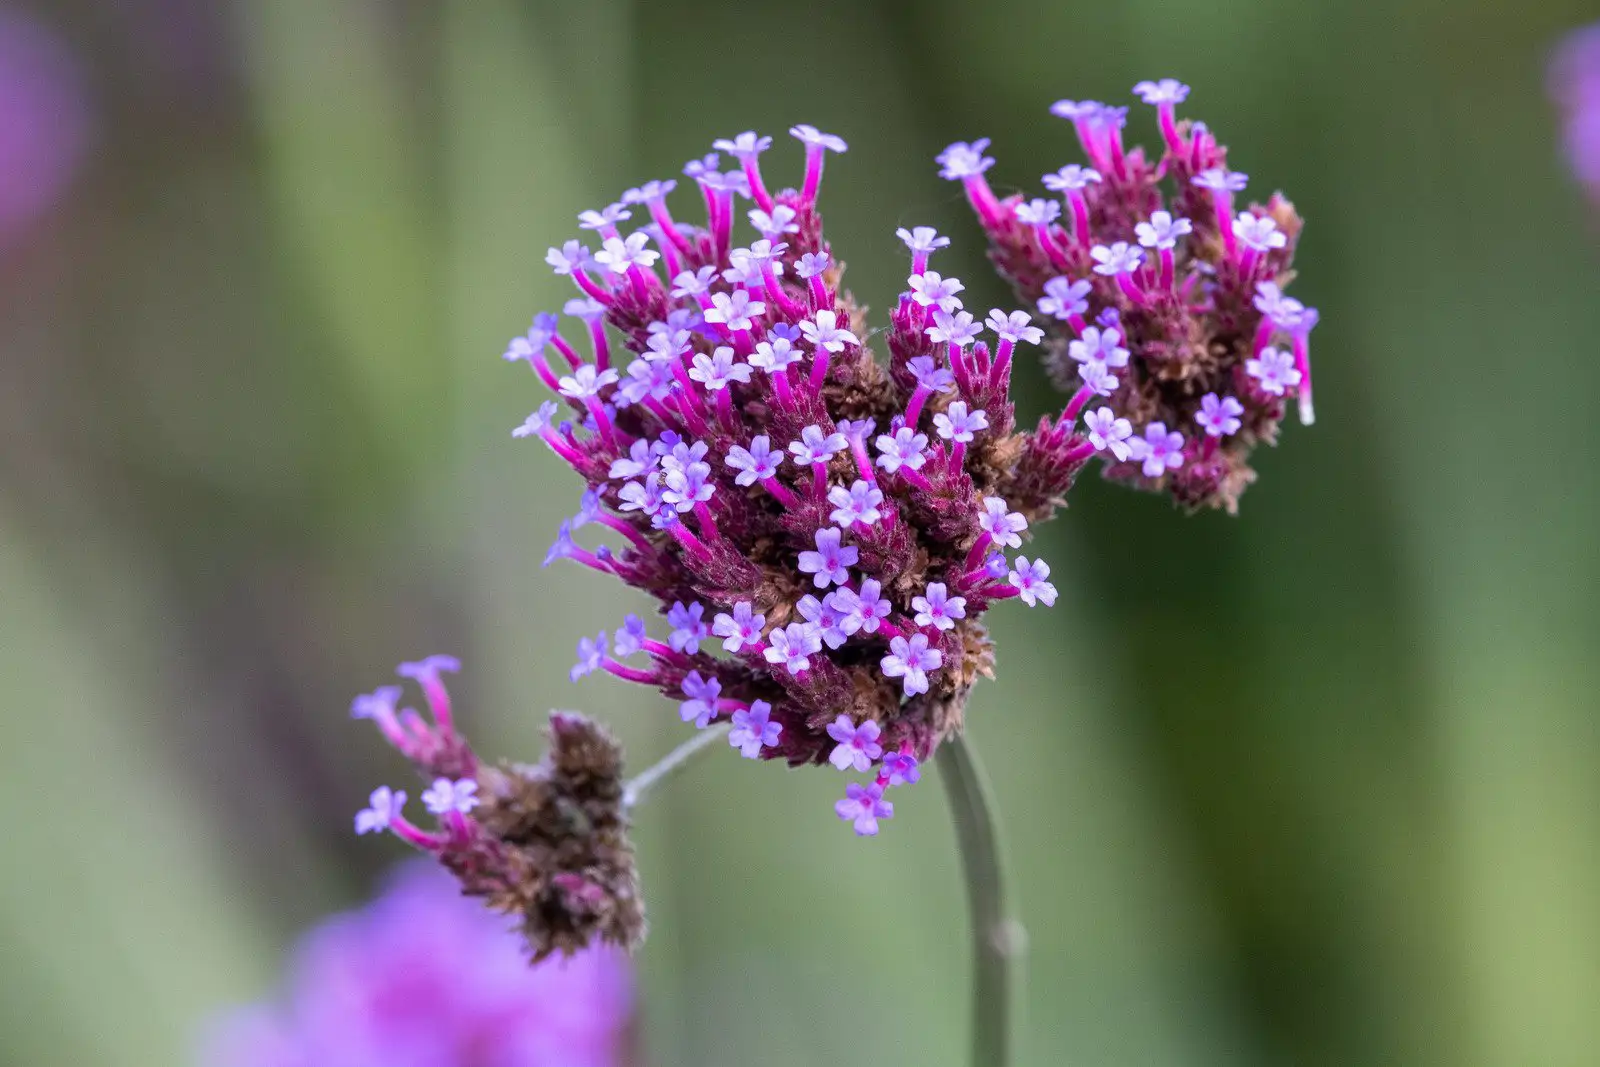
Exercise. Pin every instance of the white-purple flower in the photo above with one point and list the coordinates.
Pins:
(647, 377)
(630, 639)
(1064, 298)
(826, 332)
(1258, 232)
(570, 258)
(446, 796)
(828, 564)
(809, 135)
(591, 653)
(937, 608)
(910, 660)
(719, 370)
(812, 264)
(538, 422)
(815, 446)
(1159, 449)
(383, 807)
(688, 626)
(621, 253)
(1162, 231)
(776, 223)
(863, 806)
(735, 310)
(688, 486)
(901, 767)
(1031, 582)
(928, 374)
(1117, 258)
(756, 463)
(964, 160)
(753, 729)
(1077, 110)
(867, 608)
(958, 424)
(793, 646)
(922, 240)
(1274, 370)
(1037, 212)
(1219, 416)
(603, 219)
(1099, 346)
(775, 354)
(958, 329)
(829, 616)
(700, 707)
(741, 630)
(1165, 91)
(747, 145)
(693, 283)
(1003, 525)
(858, 504)
(1014, 327)
(1222, 180)
(857, 746)
(642, 496)
(586, 381)
(905, 449)
(930, 289)
(1098, 377)
(1071, 177)
(1108, 433)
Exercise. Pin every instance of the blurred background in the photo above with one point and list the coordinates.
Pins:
(1313, 786)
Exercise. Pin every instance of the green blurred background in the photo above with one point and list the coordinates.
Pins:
(1313, 786)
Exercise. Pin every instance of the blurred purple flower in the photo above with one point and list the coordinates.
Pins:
(423, 977)
(44, 121)
(1574, 83)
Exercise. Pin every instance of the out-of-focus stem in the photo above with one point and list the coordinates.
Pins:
(641, 783)
(998, 940)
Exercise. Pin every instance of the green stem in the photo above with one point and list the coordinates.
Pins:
(672, 761)
(998, 940)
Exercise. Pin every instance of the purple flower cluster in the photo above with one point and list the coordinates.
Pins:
(821, 529)
(423, 978)
(1575, 87)
(1166, 310)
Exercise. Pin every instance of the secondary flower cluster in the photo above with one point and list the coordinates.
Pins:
(421, 976)
(1169, 306)
(1575, 87)
(822, 530)
(547, 844)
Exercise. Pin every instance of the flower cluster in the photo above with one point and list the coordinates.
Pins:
(1575, 87)
(420, 976)
(1167, 310)
(822, 529)
(547, 844)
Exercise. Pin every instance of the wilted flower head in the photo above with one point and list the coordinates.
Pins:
(1575, 87)
(422, 978)
(1157, 252)
(546, 844)
(823, 512)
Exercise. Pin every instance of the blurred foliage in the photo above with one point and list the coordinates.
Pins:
(1312, 786)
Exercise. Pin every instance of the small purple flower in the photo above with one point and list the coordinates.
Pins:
(958, 329)
(932, 290)
(741, 629)
(745, 146)
(826, 332)
(810, 135)
(1064, 298)
(621, 253)
(630, 638)
(643, 496)
(682, 454)
(964, 160)
(756, 463)
(911, 660)
(651, 190)
(922, 240)
(588, 509)
(1258, 232)
(1077, 110)
(905, 449)
(866, 609)
(1002, 524)
(1158, 449)
(688, 628)
(902, 769)
(753, 729)
(858, 504)
(1108, 433)
(1165, 91)
(857, 746)
(1162, 231)
(719, 370)
(383, 807)
(937, 608)
(688, 486)
(570, 258)
(591, 653)
(650, 378)
(831, 616)
(700, 705)
(864, 805)
(1219, 417)
(774, 355)
(583, 308)
(691, 284)
(1274, 370)
(1098, 377)
(816, 447)
(959, 425)
(1037, 212)
(929, 375)
(1099, 346)
(1118, 258)
(563, 547)
(700, 168)
(445, 796)
(586, 381)
(812, 264)
(1071, 177)
(736, 311)
(1014, 327)
(1031, 581)
(603, 219)
(1222, 180)
(828, 564)
(793, 646)
(776, 223)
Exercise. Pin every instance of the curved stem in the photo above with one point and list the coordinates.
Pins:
(997, 939)
(637, 786)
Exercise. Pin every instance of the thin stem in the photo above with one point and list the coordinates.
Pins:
(998, 940)
(672, 761)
